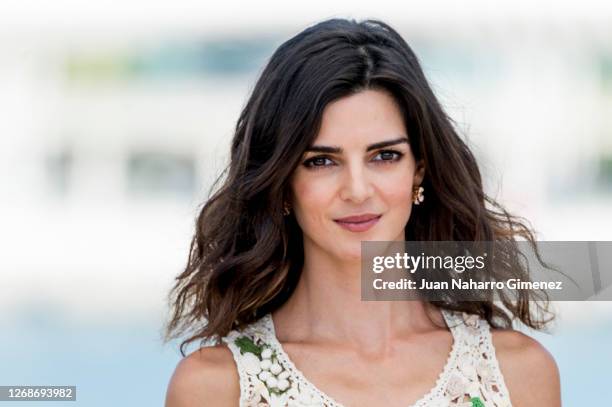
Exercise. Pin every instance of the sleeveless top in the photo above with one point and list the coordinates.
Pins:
(268, 378)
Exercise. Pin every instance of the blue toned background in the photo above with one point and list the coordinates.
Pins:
(114, 121)
(124, 364)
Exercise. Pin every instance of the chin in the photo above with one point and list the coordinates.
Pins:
(351, 254)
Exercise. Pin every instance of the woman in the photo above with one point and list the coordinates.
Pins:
(343, 140)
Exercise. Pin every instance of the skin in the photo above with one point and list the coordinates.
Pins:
(350, 349)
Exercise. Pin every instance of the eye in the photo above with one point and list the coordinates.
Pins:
(317, 162)
(388, 156)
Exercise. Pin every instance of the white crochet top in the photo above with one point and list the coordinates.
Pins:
(268, 378)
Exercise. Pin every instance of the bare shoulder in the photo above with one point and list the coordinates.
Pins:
(530, 371)
(205, 377)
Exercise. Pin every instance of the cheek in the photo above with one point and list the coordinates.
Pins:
(311, 197)
(397, 188)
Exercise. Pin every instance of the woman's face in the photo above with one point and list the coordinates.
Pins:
(360, 163)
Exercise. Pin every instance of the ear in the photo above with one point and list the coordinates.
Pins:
(419, 173)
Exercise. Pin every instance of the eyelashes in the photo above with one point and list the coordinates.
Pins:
(320, 161)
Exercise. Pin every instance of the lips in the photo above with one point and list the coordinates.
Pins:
(358, 218)
(358, 223)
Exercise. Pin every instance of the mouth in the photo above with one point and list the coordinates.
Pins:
(359, 223)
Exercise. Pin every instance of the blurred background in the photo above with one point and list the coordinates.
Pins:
(115, 118)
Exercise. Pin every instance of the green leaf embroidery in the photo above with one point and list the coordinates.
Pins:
(246, 344)
(477, 402)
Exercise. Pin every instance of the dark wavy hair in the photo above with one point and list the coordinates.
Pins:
(246, 258)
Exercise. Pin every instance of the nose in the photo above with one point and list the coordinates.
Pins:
(356, 186)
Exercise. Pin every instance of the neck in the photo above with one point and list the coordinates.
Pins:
(326, 307)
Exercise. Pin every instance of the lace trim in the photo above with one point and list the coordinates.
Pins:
(305, 383)
(476, 379)
(246, 380)
(489, 349)
(471, 376)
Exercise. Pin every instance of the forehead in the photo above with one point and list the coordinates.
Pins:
(361, 118)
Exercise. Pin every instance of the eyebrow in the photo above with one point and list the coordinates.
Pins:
(337, 150)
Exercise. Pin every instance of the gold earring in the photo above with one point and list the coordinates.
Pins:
(286, 208)
(417, 195)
